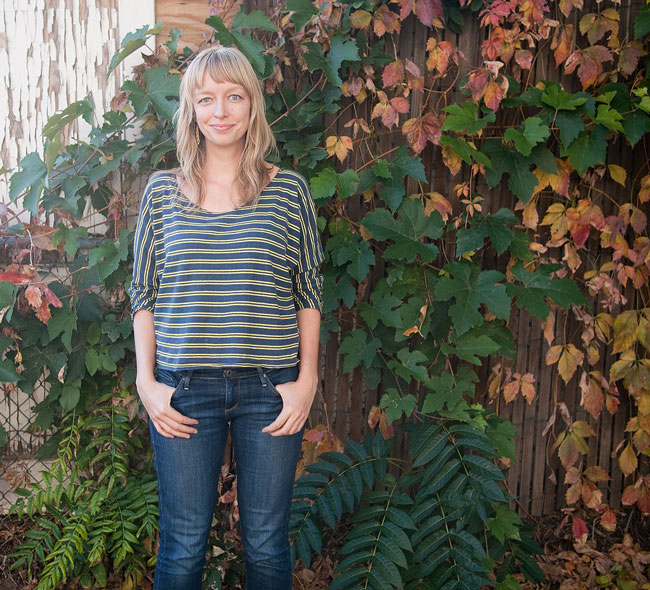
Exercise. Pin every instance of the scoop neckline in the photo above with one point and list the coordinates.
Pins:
(243, 207)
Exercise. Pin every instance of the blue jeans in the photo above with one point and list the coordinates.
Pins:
(243, 400)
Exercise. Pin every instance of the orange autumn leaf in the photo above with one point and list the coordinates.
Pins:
(389, 110)
(421, 130)
(440, 54)
(434, 201)
(566, 6)
(338, 145)
(644, 193)
(34, 296)
(593, 398)
(494, 94)
(563, 43)
(384, 20)
(451, 159)
(596, 474)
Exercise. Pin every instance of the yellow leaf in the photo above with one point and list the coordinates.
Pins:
(627, 460)
(411, 330)
(553, 354)
(569, 361)
(622, 367)
(617, 173)
(528, 387)
(530, 215)
(603, 326)
(436, 202)
(339, 145)
(582, 429)
(451, 159)
(625, 326)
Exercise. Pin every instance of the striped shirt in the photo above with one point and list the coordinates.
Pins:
(224, 288)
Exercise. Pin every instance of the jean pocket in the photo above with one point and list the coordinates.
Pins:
(170, 378)
(280, 376)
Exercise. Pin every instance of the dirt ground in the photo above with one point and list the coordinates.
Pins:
(611, 560)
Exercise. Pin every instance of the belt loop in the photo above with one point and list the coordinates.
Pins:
(260, 372)
(186, 379)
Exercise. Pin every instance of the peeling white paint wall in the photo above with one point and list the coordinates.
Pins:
(52, 53)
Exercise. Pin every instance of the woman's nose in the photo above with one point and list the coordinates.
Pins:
(219, 108)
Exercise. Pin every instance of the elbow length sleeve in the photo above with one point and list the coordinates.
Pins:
(144, 285)
(306, 278)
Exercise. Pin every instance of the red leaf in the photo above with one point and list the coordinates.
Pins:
(314, 435)
(440, 53)
(50, 297)
(580, 530)
(643, 503)
(17, 278)
(524, 58)
(629, 57)
(608, 520)
(421, 130)
(400, 104)
(428, 10)
(405, 8)
(393, 74)
(477, 82)
(589, 62)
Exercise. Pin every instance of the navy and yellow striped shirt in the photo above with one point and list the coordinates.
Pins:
(224, 287)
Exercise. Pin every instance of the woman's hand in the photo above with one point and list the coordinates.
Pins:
(156, 399)
(297, 397)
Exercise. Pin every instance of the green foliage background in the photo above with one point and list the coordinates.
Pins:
(439, 517)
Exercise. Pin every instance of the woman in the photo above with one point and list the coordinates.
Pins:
(226, 296)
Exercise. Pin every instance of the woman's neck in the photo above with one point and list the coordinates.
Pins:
(221, 165)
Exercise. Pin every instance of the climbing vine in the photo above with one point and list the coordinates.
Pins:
(423, 281)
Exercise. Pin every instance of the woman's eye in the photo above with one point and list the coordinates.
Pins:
(204, 99)
(235, 97)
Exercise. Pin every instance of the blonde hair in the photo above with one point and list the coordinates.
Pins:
(223, 64)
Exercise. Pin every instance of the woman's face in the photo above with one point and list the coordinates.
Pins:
(222, 111)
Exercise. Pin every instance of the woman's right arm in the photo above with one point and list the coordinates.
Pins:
(156, 396)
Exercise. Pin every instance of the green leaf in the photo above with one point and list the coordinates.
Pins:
(412, 364)
(470, 288)
(8, 371)
(327, 182)
(505, 524)
(255, 19)
(107, 256)
(132, 42)
(533, 131)
(406, 231)
(494, 226)
(520, 247)
(70, 395)
(642, 22)
(447, 390)
(501, 435)
(570, 126)
(464, 117)
(382, 309)
(635, 125)
(70, 237)
(174, 36)
(609, 117)
(537, 284)
(521, 181)
(466, 152)
(469, 347)
(358, 349)
(31, 176)
(555, 96)
(588, 149)
(63, 321)
(7, 299)
(303, 11)
(341, 49)
(251, 48)
(160, 85)
(81, 108)
(395, 406)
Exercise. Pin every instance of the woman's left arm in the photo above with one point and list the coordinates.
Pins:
(298, 396)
